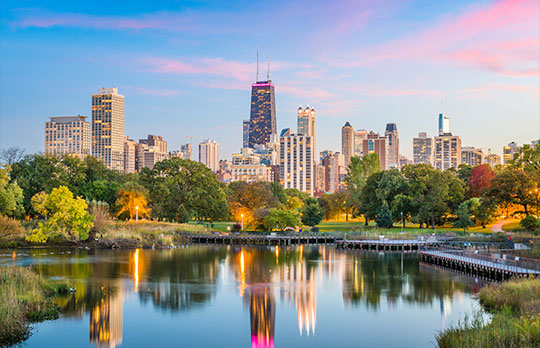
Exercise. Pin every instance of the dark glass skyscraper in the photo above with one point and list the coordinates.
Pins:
(262, 122)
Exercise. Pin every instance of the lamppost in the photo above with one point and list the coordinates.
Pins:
(242, 215)
(402, 222)
(137, 214)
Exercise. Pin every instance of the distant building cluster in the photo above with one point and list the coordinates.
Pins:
(290, 158)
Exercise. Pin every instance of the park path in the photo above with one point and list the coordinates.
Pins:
(497, 227)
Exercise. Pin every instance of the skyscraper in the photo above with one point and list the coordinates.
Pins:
(262, 122)
(347, 142)
(245, 133)
(472, 156)
(359, 137)
(391, 134)
(423, 149)
(154, 150)
(108, 128)
(447, 152)
(130, 155)
(379, 145)
(307, 125)
(296, 161)
(209, 154)
(68, 135)
(444, 124)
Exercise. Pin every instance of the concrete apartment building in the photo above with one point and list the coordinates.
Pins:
(423, 149)
(68, 135)
(472, 156)
(509, 151)
(379, 145)
(209, 154)
(447, 152)
(296, 161)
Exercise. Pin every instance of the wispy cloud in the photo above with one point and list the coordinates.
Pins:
(500, 37)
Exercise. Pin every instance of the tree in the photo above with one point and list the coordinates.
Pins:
(486, 210)
(12, 155)
(513, 186)
(464, 213)
(480, 179)
(132, 198)
(11, 195)
(281, 219)
(384, 218)
(312, 214)
(67, 217)
(246, 198)
(530, 223)
(181, 190)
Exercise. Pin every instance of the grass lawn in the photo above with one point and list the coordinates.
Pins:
(512, 226)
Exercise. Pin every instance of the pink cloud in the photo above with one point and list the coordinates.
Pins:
(500, 37)
(157, 92)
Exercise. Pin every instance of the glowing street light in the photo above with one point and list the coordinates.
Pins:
(137, 213)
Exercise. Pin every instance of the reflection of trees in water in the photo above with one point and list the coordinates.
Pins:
(369, 276)
(181, 279)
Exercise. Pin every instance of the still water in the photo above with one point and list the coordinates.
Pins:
(206, 296)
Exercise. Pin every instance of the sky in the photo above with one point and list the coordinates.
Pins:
(186, 67)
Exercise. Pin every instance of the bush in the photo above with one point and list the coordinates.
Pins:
(384, 219)
(315, 229)
(530, 223)
(236, 227)
(100, 212)
(10, 229)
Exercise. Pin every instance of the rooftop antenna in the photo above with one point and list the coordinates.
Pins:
(257, 64)
(268, 76)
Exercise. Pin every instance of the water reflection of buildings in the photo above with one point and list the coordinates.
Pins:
(262, 313)
(106, 318)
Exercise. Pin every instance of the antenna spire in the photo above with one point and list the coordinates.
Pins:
(268, 76)
(442, 109)
(257, 64)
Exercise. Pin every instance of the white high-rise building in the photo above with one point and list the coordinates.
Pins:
(68, 135)
(359, 137)
(423, 149)
(444, 124)
(108, 128)
(447, 152)
(209, 154)
(296, 161)
(307, 125)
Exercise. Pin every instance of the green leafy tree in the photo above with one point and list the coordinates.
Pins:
(464, 213)
(384, 218)
(67, 217)
(312, 214)
(181, 190)
(530, 223)
(278, 219)
(11, 195)
(513, 186)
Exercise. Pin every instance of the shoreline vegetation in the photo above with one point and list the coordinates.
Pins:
(26, 298)
(515, 323)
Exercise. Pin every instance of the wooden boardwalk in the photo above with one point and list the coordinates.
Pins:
(484, 266)
(386, 244)
(262, 239)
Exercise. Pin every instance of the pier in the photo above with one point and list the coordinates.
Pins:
(262, 239)
(386, 244)
(487, 266)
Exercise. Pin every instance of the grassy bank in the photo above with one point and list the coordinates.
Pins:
(515, 306)
(24, 299)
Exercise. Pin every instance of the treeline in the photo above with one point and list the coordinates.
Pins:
(61, 189)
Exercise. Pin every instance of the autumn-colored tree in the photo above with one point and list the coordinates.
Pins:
(480, 179)
(67, 216)
(132, 197)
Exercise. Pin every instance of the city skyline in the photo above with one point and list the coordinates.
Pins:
(202, 89)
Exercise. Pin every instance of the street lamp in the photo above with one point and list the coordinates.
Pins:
(137, 213)
(242, 215)
(402, 222)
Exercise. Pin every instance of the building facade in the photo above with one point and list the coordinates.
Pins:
(392, 136)
(307, 124)
(509, 151)
(359, 137)
(262, 121)
(444, 124)
(447, 152)
(472, 156)
(245, 133)
(108, 128)
(423, 149)
(379, 145)
(296, 161)
(251, 173)
(347, 143)
(68, 135)
(130, 155)
(209, 154)
(492, 159)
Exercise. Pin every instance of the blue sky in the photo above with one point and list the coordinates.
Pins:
(186, 67)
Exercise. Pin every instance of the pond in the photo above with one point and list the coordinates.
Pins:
(232, 296)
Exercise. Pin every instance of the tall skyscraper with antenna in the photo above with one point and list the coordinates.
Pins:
(262, 122)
